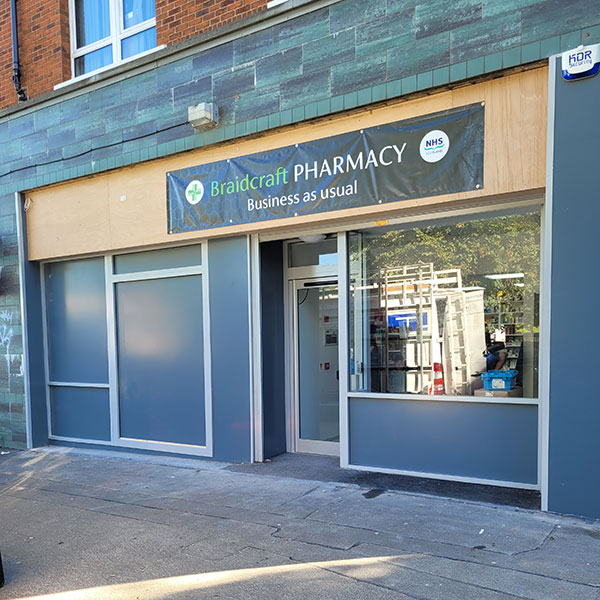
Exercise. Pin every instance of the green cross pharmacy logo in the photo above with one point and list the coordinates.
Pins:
(194, 191)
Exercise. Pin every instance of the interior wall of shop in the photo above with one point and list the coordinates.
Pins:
(574, 413)
(273, 348)
(126, 207)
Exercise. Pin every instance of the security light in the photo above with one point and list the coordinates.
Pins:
(203, 116)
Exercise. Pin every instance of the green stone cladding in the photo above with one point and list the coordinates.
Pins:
(12, 398)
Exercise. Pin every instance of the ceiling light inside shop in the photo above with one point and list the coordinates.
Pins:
(312, 238)
(505, 276)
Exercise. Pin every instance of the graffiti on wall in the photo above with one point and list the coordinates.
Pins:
(11, 368)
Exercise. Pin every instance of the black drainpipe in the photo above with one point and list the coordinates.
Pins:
(21, 95)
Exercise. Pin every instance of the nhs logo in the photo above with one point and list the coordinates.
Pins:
(434, 146)
(436, 143)
(583, 61)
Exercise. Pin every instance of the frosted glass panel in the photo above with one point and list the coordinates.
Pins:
(316, 253)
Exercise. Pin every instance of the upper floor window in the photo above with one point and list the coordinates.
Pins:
(105, 32)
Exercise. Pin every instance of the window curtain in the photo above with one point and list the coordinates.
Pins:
(92, 21)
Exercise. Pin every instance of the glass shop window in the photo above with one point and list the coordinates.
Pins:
(447, 307)
(109, 31)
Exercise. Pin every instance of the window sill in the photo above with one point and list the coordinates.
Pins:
(442, 398)
(107, 68)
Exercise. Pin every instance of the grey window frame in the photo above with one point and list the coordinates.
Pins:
(111, 279)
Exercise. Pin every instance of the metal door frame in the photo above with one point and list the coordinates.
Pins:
(300, 445)
(291, 276)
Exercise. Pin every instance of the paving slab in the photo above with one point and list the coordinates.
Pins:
(100, 525)
(519, 583)
(442, 520)
(327, 468)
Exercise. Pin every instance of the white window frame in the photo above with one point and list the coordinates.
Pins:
(117, 35)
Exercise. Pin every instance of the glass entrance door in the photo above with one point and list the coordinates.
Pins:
(317, 372)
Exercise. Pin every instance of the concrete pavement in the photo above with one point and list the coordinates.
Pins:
(86, 524)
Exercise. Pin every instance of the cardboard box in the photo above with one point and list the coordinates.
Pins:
(516, 392)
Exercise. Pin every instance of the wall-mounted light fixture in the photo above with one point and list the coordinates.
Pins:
(203, 116)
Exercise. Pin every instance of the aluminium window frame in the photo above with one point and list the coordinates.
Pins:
(540, 401)
(117, 34)
(111, 280)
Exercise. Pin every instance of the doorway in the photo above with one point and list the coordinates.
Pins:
(315, 366)
(299, 347)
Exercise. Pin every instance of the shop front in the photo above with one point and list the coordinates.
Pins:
(432, 368)
(366, 286)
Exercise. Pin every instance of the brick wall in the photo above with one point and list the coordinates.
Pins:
(44, 39)
(43, 44)
(179, 21)
(44, 54)
(7, 94)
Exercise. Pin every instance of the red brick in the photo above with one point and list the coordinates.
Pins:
(44, 37)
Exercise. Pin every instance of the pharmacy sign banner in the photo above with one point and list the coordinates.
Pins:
(424, 156)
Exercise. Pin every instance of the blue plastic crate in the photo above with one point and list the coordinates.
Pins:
(499, 380)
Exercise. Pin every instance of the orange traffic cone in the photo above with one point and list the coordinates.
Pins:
(437, 386)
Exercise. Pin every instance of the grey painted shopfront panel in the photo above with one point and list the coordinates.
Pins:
(230, 348)
(154, 260)
(76, 319)
(486, 441)
(574, 452)
(161, 360)
(80, 413)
